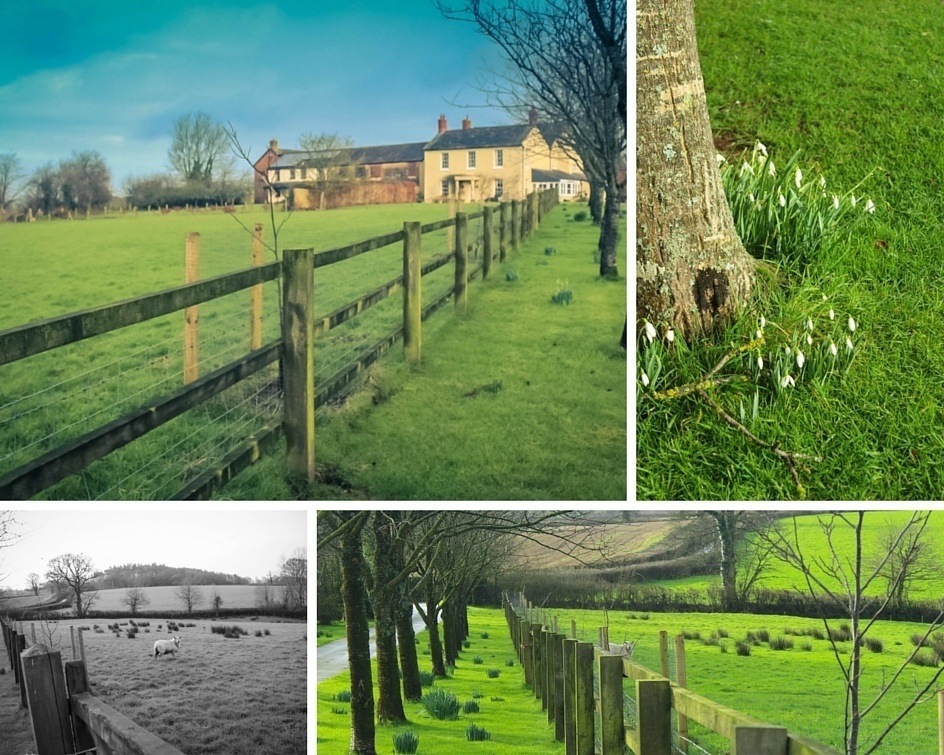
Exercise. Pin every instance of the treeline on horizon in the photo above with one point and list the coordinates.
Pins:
(161, 575)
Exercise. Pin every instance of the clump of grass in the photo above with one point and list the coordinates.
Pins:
(691, 635)
(344, 696)
(711, 641)
(477, 695)
(926, 659)
(874, 644)
(723, 633)
(497, 699)
(466, 644)
(581, 216)
(339, 711)
(405, 742)
(492, 673)
(441, 705)
(549, 250)
(427, 678)
(477, 660)
(477, 734)
(781, 643)
(919, 640)
(815, 632)
(723, 648)
(644, 617)
(563, 294)
(510, 662)
(511, 276)
(806, 646)
(763, 635)
(470, 706)
(484, 635)
(742, 648)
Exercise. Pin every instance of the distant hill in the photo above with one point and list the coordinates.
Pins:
(157, 575)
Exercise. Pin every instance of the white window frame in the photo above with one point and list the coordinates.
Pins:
(444, 161)
(445, 188)
(499, 158)
(499, 188)
(471, 159)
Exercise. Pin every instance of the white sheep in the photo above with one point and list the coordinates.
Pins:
(162, 647)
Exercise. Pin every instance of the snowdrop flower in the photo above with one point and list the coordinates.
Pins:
(832, 315)
(870, 207)
(835, 202)
(832, 349)
(720, 158)
(822, 182)
(787, 380)
(849, 343)
(751, 196)
(670, 335)
(771, 169)
(786, 350)
(760, 363)
(809, 340)
(782, 200)
(801, 360)
(798, 178)
(650, 331)
(852, 325)
(747, 168)
(809, 323)
(763, 322)
(645, 379)
(759, 334)
(852, 200)
(758, 147)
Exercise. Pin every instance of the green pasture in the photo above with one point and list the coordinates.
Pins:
(814, 545)
(857, 89)
(507, 709)
(518, 399)
(799, 688)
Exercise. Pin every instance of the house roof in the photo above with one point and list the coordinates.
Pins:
(554, 176)
(390, 153)
(483, 136)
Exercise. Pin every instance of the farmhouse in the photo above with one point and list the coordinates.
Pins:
(470, 164)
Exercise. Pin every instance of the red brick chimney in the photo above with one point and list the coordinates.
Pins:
(443, 126)
(274, 145)
(466, 123)
(533, 116)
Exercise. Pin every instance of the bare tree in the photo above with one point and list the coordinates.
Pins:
(265, 593)
(910, 559)
(744, 555)
(198, 147)
(293, 572)
(84, 181)
(842, 580)
(217, 600)
(329, 158)
(75, 571)
(135, 598)
(34, 581)
(189, 594)
(568, 61)
(11, 172)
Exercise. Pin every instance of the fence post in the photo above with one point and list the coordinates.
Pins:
(298, 355)
(486, 242)
(558, 649)
(654, 715)
(462, 261)
(255, 293)
(940, 721)
(76, 684)
(537, 647)
(524, 632)
(610, 672)
(583, 703)
(72, 639)
(681, 679)
(46, 692)
(81, 646)
(759, 740)
(412, 293)
(192, 314)
(502, 231)
(664, 653)
(515, 223)
(19, 647)
(570, 692)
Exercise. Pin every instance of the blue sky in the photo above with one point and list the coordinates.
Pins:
(113, 76)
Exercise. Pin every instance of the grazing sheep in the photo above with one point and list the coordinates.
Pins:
(162, 647)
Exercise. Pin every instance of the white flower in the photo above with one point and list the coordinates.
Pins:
(801, 360)
(849, 343)
(670, 335)
(786, 350)
(870, 207)
(835, 201)
(758, 147)
(809, 340)
(645, 379)
(822, 182)
(782, 200)
(787, 380)
(750, 195)
(760, 363)
(747, 168)
(832, 349)
(832, 315)
(650, 331)
(798, 178)
(759, 334)
(809, 323)
(852, 200)
(852, 325)
(771, 169)
(763, 321)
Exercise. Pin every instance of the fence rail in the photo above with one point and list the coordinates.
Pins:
(294, 350)
(65, 717)
(561, 672)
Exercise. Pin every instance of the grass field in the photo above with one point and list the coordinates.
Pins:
(217, 695)
(508, 711)
(519, 399)
(856, 88)
(56, 267)
(607, 543)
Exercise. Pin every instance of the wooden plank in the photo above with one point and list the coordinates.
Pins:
(76, 684)
(486, 242)
(654, 716)
(760, 739)
(298, 363)
(537, 650)
(437, 225)
(718, 718)
(583, 698)
(462, 263)
(503, 230)
(798, 745)
(557, 641)
(118, 734)
(569, 653)
(338, 254)
(412, 293)
(681, 678)
(610, 673)
(45, 691)
(245, 455)
(346, 311)
(34, 338)
(334, 386)
(515, 223)
(69, 458)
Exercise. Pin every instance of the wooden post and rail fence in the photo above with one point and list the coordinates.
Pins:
(66, 718)
(560, 671)
(294, 349)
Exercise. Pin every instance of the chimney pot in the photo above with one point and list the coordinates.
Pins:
(274, 145)
(466, 123)
(443, 125)
(533, 117)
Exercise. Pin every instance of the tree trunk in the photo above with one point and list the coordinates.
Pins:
(386, 600)
(354, 596)
(609, 231)
(406, 641)
(432, 625)
(692, 271)
(596, 202)
(726, 525)
(450, 632)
